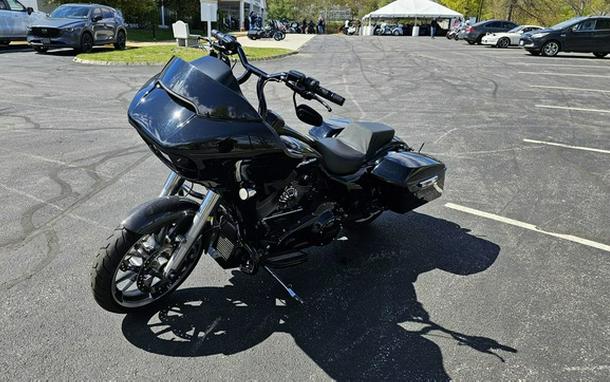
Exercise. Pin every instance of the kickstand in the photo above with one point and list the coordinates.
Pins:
(288, 289)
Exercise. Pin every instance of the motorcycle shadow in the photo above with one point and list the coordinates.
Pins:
(361, 319)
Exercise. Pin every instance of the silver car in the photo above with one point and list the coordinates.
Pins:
(15, 19)
(78, 26)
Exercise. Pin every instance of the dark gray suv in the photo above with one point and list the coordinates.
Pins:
(474, 33)
(79, 26)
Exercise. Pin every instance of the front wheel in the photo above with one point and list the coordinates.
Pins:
(504, 42)
(550, 49)
(278, 36)
(127, 274)
(86, 43)
(600, 54)
(121, 41)
(470, 42)
(41, 49)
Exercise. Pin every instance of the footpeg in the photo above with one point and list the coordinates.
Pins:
(291, 292)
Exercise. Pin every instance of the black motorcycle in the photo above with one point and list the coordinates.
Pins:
(272, 30)
(245, 188)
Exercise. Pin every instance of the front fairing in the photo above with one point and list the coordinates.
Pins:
(184, 109)
(197, 126)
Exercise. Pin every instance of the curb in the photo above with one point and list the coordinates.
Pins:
(114, 63)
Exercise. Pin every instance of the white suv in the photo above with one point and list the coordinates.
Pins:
(15, 19)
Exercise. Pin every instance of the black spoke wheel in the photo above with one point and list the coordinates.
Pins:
(86, 42)
(121, 41)
(127, 274)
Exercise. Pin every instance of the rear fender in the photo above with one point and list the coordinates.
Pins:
(152, 215)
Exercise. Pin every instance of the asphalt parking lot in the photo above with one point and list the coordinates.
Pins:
(507, 277)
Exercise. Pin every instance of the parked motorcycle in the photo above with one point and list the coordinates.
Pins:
(384, 29)
(294, 28)
(245, 188)
(269, 31)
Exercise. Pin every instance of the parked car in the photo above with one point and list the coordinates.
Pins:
(15, 19)
(512, 37)
(475, 32)
(580, 34)
(79, 26)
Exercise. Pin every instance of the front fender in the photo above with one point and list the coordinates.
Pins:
(152, 215)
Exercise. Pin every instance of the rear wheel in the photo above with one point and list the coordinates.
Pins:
(504, 42)
(550, 49)
(86, 43)
(470, 42)
(600, 54)
(121, 41)
(41, 49)
(127, 274)
(396, 33)
(4, 42)
(278, 36)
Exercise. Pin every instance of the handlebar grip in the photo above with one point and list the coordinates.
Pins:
(331, 96)
(218, 35)
(226, 40)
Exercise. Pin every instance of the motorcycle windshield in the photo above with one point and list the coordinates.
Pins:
(208, 97)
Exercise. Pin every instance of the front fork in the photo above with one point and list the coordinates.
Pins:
(172, 185)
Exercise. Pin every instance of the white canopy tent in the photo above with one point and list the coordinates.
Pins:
(403, 9)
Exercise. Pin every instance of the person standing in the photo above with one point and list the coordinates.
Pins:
(433, 27)
(321, 25)
(304, 26)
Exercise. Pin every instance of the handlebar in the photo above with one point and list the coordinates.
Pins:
(307, 87)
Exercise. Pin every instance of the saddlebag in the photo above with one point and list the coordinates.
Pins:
(409, 179)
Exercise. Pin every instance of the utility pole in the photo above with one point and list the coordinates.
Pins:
(480, 10)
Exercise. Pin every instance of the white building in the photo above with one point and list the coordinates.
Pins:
(240, 9)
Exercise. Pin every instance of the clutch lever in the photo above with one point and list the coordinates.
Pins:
(317, 98)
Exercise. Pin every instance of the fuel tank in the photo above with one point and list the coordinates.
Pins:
(195, 119)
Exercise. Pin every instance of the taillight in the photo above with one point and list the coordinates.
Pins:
(469, 30)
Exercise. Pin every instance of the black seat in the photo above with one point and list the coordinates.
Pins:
(354, 145)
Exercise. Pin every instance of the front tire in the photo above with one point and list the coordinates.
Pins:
(550, 49)
(504, 42)
(86, 43)
(116, 270)
(41, 49)
(121, 41)
(600, 54)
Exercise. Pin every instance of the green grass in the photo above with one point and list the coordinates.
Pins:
(160, 54)
(145, 35)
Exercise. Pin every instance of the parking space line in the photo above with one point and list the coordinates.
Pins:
(572, 108)
(566, 146)
(563, 65)
(564, 74)
(568, 88)
(531, 227)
